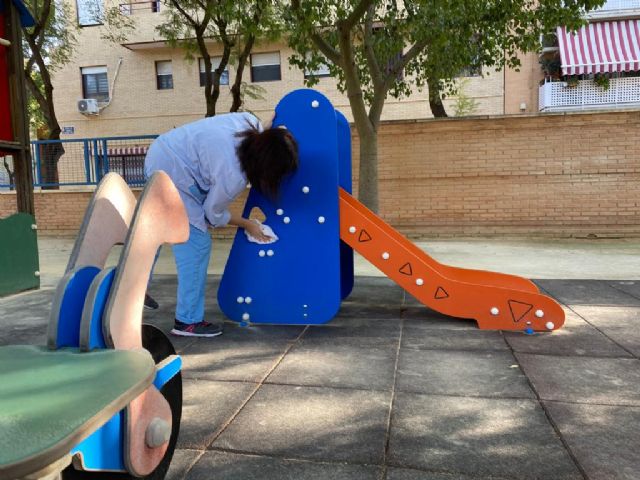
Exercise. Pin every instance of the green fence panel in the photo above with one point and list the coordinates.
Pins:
(19, 263)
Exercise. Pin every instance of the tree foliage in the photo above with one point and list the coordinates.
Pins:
(377, 48)
(236, 25)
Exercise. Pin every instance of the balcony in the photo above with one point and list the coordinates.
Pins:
(616, 9)
(559, 97)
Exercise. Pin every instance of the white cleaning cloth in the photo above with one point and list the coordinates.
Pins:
(267, 230)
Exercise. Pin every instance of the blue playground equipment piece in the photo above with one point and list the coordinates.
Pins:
(301, 278)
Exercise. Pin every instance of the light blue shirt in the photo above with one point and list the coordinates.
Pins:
(201, 159)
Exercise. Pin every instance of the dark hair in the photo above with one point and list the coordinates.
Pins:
(267, 157)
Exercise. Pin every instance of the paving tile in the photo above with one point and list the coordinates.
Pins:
(605, 440)
(181, 462)
(361, 310)
(409, 474)
(206, 407)
(311, 423)
(423, 317)
(337, 366)
(224, 465)
(632, 287)
(576, 338)
(223, 359)
(419, 338)
(376, 291)
(586, 292)
(478, 437)
(620, 324)
(494, 374)
(612, 381)
(357, 332)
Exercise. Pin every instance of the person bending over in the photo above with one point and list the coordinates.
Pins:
(210, 162)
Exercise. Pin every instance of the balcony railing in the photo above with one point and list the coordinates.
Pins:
(133, 8)
(558, 96)
(616, 9)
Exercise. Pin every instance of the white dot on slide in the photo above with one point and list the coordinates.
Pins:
(495, 311)
(315, 104)
(305, 189)
(321, 219)
(385, 255)
(419, 281)
(240, 300)
(248, 300)
(279, 211)
(550, 326)
(539, 313)
(352, 229)
(270, 253)
(245, 316)
(286, 219)
(262, 253)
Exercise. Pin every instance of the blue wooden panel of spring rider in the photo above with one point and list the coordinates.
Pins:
(345, 180)
(295, 280)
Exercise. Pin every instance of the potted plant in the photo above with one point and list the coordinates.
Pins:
(572, 81)
(551, 67)
(602, 80)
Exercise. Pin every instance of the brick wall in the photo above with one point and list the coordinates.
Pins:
(540, 175)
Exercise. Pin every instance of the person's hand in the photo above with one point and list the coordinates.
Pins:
(255, 230)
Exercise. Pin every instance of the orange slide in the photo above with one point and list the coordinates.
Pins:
(496, 301)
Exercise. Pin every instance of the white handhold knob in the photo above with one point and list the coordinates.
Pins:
(34, 226)
(419, 281)
(240, 300)
(305, 189)
(321, 219)
(286, 219)
(385, 255)
(279, 211)
(245, 316)
(495, 311)
(550, 325)
(539, 313)
(305, 306)
(269, 253)
(248, 300)
(37, 273)
(315, 104)
(262, 253)
(158, 433)
(352, 229)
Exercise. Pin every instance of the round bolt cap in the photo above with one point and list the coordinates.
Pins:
(419, 281)
(385, 255)
(549, 325)
(352, 229)
(158, 433)
(240, 299)
(279, 211)
(495, 311)
(248, 300)
(286, 219)
(34, 226)
(269, 253)
(245, 316)
(321, 219)
(539, 313)
(37, 273)
(262, 253)
(315, 104)
(305, 189)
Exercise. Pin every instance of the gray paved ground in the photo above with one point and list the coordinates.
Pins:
(389, 390)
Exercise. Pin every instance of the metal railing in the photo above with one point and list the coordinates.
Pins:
(560, 96)
(131, 8)
(83, 161)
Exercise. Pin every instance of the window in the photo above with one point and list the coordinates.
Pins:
(265, 67)
(164, 75)
(215, 63)
(90, 12)
(95, 83)
(471, 71)
(322, 70)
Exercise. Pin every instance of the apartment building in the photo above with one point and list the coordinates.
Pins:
(142, 86)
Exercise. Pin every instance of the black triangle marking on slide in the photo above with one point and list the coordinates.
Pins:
(519, 309)
(406, 269)
(441, 293)
(364, 236)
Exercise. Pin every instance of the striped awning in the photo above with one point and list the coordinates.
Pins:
(600, 47)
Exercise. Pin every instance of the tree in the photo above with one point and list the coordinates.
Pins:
(377, 48)
(235, 24)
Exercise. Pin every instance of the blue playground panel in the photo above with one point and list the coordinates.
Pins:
(301, 278)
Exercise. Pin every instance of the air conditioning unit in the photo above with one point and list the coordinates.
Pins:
(88, 106)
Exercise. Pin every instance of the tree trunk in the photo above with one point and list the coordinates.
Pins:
(368, 171)
(435, 99)
(236, 93)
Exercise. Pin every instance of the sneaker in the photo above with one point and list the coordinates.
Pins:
(150, 303)
(202, 329)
